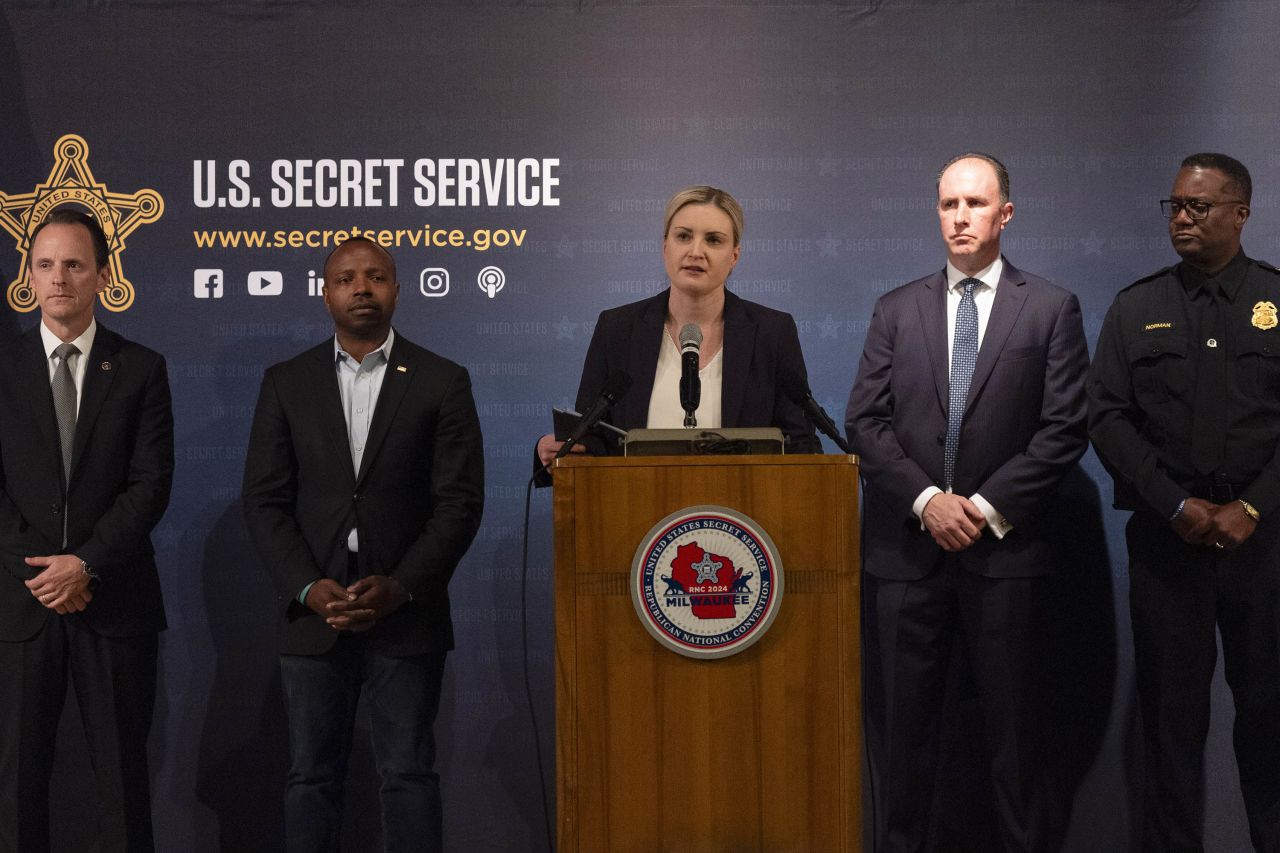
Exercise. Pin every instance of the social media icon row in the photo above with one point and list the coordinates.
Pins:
(432, 282)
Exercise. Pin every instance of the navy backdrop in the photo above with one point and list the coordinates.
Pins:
(827, 120)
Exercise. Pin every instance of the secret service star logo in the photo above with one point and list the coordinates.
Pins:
(71, 182)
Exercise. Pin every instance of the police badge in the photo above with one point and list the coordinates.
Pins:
(1264, 315)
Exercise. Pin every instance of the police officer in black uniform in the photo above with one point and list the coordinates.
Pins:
(1184, 410)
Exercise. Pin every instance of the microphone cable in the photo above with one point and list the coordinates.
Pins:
(524, 658)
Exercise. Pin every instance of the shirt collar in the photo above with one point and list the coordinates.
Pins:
(1230, 278)
(84, 343)
(339, 354)
(989, 276)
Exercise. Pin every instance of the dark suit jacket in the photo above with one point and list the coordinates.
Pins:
(759, 343)
(1023, 429)
(121, 472)
(416, 500)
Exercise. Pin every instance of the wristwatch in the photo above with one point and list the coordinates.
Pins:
(1250, 511)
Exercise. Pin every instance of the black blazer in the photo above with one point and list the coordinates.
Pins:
(121, 473)
(416, 500)
(759, 343)
(1023, 429)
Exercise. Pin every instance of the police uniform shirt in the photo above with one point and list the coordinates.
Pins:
(1157, 339)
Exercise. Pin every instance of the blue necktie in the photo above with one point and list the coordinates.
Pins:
(964, 354)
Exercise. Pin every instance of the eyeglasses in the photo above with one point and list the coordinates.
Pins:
(1196, 209)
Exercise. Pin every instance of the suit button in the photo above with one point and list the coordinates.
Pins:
(355, 497)
(56, 509)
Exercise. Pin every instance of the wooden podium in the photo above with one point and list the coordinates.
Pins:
(760, 751)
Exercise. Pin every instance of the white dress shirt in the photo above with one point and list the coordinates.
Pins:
(359, 383)
(983, 297)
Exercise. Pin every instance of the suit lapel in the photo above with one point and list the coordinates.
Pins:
(35, 367)
(323, 376)
(100, 369)
(642, 361)
(738, 345)
(931, 302)
(395, 382)
(1006, 306)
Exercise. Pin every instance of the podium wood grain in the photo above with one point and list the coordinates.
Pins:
(760, 751)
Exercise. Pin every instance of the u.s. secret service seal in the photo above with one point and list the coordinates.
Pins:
(706, 581)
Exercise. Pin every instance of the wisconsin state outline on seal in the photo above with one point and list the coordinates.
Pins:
(706, 581)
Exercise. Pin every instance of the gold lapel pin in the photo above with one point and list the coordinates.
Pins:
(402, 368)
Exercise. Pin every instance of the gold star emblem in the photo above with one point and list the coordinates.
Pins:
(71, 181)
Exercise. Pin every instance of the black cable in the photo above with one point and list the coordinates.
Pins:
(524, 656)
(862, 660)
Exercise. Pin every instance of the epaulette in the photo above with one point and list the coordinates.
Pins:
(1266, 266)
(1147, 278)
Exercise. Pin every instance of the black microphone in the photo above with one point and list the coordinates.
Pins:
(690, 384)
(797, 389)
(614, 387)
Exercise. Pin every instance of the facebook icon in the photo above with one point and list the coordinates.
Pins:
(207, 284)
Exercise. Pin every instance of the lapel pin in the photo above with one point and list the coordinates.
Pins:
(106, 365)
(402, 368)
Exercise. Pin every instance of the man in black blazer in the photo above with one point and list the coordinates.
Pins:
(363, 488)
(957, 509)
(86, 463)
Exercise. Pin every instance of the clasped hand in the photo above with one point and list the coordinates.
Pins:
(357, 607)
(955, 522)
(1203, 522)
(62, 586)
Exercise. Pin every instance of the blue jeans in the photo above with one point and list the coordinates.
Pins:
(403, 696)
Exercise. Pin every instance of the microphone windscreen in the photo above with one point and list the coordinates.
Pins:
(690, 336)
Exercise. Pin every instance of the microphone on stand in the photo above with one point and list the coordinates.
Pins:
(614, 387)
(690, 384)
(796, 388)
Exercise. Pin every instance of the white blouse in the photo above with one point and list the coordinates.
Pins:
(664, 403)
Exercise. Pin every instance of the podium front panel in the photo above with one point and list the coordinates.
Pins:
(759, 751)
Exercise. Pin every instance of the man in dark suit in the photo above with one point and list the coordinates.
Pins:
(967, 412)
(363, 488)
(86, 462)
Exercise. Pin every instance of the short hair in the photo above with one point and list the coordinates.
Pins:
(1237, 175)
(1002, 174)
(71, 216)
(703, 194)
(360, 238)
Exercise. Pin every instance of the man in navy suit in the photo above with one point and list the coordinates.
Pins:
(86, 462)
(967, 411)
(363, 488)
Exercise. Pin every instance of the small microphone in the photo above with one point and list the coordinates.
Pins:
(690, 384)
(797, 389)
(614, 387)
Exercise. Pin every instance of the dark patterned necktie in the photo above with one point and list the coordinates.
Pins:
(964, 355)
(64, 403)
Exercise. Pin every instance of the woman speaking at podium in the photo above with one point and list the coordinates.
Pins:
(745, 353)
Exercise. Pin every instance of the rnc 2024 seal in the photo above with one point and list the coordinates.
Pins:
(706, 581)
